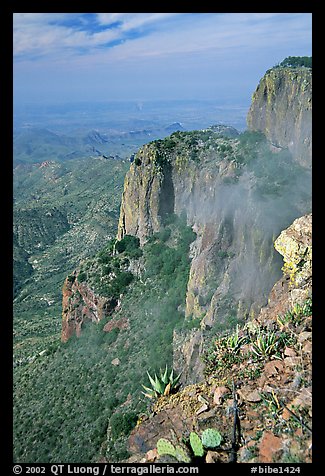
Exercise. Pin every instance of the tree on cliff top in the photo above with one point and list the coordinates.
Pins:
(296, 62)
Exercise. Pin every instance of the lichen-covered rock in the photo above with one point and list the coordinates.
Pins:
(282, 109)
(295, 245)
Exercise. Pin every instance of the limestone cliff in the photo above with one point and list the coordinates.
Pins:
(282, 109)
(237, 198)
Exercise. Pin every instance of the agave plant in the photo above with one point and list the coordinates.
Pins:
(163, 385)
(235, 341)
(266, 344)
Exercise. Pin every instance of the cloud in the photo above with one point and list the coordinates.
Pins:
(130, 21)
(125, 35)
(53, 35)
(165, 53)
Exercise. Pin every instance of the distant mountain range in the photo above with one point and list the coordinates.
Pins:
(33, 145)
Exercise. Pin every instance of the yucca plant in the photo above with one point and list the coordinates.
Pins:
(163, 385)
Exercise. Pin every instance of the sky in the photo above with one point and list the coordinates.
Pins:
(76, 57)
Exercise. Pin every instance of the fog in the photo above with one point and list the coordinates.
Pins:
(237, 224)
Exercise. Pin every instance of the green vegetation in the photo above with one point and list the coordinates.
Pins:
(122, 423)
(130, 245)
(195, 447)
(255, 342)
(296, 314)
(164, 385)
(265, 344)
(63, 213)
(194, 147)
(76, 385)
(297, 61)
(196, 444)
(211, 438)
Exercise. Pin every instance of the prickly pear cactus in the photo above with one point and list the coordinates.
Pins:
(211, 438)
(196, 444)
(165, 447)
(181, 455)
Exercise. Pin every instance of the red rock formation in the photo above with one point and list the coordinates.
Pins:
(80, 303)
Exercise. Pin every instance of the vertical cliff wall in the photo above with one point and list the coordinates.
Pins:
(282, 109)
(237, 197)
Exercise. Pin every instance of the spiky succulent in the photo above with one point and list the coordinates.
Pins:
(163, 385)
(235, 341)
(266, 344)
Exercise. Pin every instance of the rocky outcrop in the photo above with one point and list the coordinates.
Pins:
(282, 109)
(79, 304)
(205, 176)
(142, 196)
(233, 202)
(295, 244)
(295, 286)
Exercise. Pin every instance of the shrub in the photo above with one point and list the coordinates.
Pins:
(297, 61)
(82, 277)
(122, 423)
(129, 244)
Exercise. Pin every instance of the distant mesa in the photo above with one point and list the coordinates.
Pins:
(145, 132)
(223, 130)
(175, 126)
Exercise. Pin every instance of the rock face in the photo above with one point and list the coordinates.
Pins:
(272, 393)
(234, 265)
(79, 304)
(282, 109)
(237, 198)
(295, 286)
(236, 203)
(295, 244)
(143, 196)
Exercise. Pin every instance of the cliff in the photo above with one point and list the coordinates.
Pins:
(282, 109)
(268, 360)
(232, 192)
